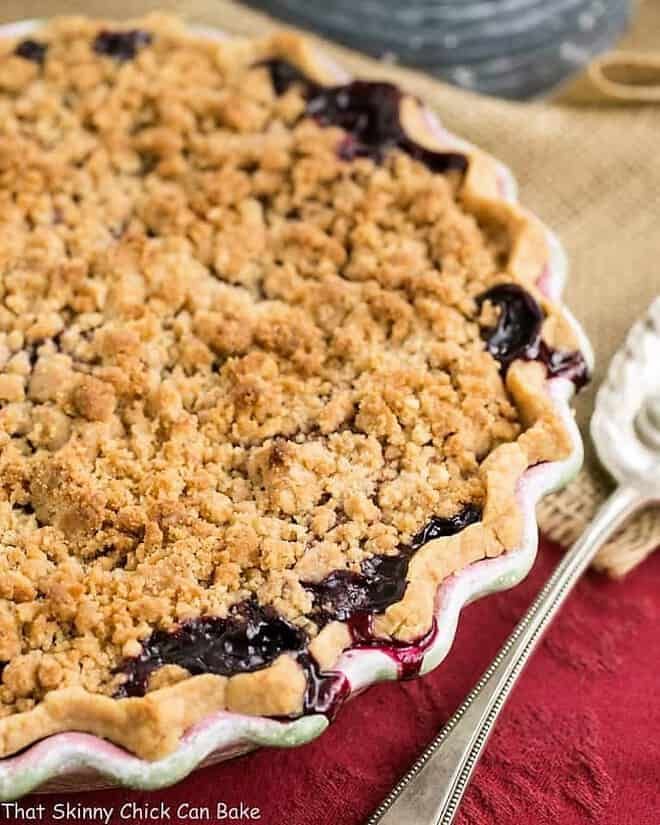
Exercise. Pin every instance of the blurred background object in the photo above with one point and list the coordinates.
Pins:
(510, 48)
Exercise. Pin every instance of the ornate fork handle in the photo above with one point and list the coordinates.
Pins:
(431, 791)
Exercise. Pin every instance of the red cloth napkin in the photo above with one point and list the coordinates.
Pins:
(579, 741)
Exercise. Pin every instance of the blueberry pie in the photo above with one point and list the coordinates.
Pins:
(273, 359)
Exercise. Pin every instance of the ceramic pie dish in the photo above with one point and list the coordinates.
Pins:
(285, 371)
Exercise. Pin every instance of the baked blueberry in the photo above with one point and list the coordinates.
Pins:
(122, 45)
(33, 50)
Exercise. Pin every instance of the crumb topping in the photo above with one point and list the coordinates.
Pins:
(231, 362)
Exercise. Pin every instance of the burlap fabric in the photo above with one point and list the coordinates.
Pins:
(587, 163)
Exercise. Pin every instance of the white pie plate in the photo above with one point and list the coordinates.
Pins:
(79, 761)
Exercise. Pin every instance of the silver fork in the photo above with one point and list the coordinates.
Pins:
(625, 428)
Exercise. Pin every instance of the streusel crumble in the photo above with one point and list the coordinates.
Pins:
(259, 346)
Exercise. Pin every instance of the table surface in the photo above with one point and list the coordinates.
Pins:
(578, 742)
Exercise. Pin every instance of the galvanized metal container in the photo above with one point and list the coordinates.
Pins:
(510, 48)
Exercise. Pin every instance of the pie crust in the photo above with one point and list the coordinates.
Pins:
(152, 725)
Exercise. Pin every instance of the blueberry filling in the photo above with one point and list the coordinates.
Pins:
(567, 364)
(283, 75)
(518, 326)
(326, 691)
(407, 655)
(438, 527)
(368, 111)
(342, 595)
(121, 45)
(381, 582)
(517, 334)
(250, 638)
(32, 50)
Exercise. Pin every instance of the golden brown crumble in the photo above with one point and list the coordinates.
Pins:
(229, 361)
